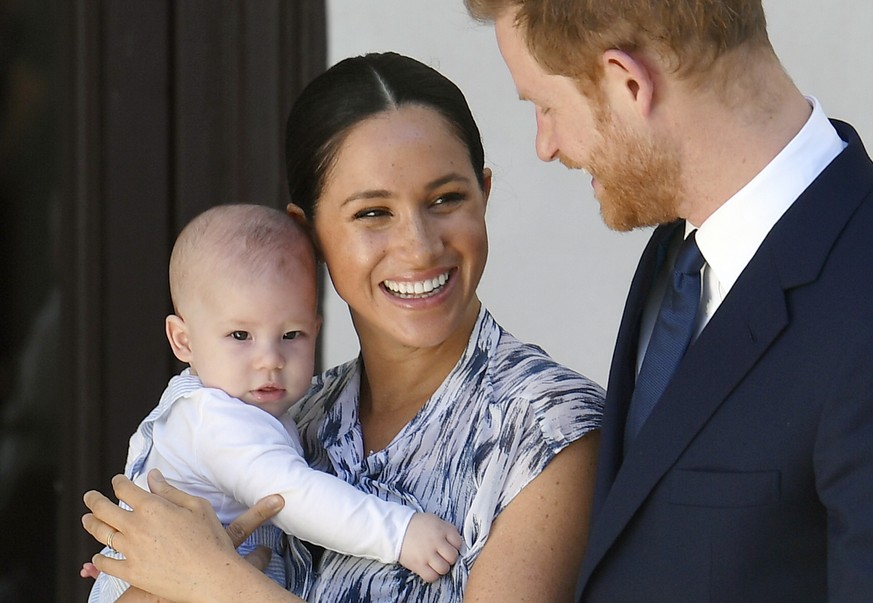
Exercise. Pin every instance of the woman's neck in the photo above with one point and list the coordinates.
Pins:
(397, 381)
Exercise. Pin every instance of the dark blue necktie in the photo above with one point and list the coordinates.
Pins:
(670, 336)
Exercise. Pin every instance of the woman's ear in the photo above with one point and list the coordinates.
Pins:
(486, 183)
(628, 81)
(177, 335)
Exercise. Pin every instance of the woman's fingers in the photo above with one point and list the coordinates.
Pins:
(156, 536)
(158, 485)
(113, 567)
(104, 509)
(166, 539)
(243, 526)
(105, 520)
(100, 530)
(127, 491)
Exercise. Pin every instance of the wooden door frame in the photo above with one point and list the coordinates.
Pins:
(173, 107)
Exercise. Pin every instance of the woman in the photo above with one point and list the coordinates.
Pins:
(442, 410)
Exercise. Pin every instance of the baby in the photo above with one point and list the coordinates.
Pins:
(242, 280)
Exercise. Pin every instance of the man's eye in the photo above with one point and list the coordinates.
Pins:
(240, 335)
(291, 335)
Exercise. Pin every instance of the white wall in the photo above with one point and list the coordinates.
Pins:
(556, 275)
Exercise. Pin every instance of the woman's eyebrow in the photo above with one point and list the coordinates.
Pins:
(379, 193)
(367, 194)
(451, 177)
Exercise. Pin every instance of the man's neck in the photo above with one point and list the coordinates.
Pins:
(726, 146)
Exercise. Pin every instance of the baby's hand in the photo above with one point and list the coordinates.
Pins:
(430, 546)
(89, 571)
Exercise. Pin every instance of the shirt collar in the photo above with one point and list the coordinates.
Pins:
(732, 234)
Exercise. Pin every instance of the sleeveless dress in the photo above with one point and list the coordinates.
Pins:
(500, 416)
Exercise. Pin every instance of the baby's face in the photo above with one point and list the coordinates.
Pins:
(255, 337)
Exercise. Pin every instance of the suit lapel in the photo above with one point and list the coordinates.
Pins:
(622, 370)
(708, 373)
(749, 320)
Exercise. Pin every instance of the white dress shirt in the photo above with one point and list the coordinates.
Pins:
(731, 236)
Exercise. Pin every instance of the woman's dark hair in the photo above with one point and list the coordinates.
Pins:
(350, 92)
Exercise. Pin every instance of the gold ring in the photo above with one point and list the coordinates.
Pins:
(109, 540)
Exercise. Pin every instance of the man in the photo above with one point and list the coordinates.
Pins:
(748, 474)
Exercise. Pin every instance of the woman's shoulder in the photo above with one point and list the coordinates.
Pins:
(540, 395)
(526, 369)
(552, 403)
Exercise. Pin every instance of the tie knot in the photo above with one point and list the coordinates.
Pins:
(689, 260)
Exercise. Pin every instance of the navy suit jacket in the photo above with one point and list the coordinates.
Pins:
(752, 479)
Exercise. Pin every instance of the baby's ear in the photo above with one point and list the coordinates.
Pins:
(177, 335)
(297, 214)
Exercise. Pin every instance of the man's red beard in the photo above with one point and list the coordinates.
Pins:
(638, 177)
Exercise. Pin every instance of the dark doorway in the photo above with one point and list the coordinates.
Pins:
(119, 121)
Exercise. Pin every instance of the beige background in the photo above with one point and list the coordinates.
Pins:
(556, 276)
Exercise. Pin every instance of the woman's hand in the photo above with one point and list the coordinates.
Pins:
(174, 545)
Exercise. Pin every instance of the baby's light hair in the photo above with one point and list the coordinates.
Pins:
(234, 241)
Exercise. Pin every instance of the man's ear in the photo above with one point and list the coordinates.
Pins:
(628, 81)
(177, 335)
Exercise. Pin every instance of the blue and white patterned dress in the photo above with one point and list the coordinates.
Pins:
(501, 415)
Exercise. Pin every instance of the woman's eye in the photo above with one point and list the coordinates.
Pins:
(371, 213)
(240, 335)
(449, 199)
(291, 335)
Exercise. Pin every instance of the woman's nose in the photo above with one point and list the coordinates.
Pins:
(421, 238)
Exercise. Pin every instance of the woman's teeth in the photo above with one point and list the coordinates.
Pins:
(417, 289)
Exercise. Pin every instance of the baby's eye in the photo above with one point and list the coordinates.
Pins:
(240, 335)
(291, 335)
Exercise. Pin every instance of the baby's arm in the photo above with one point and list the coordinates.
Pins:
(325, 510)
(263, 458)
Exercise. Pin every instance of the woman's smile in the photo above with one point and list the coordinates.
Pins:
(417, 289)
